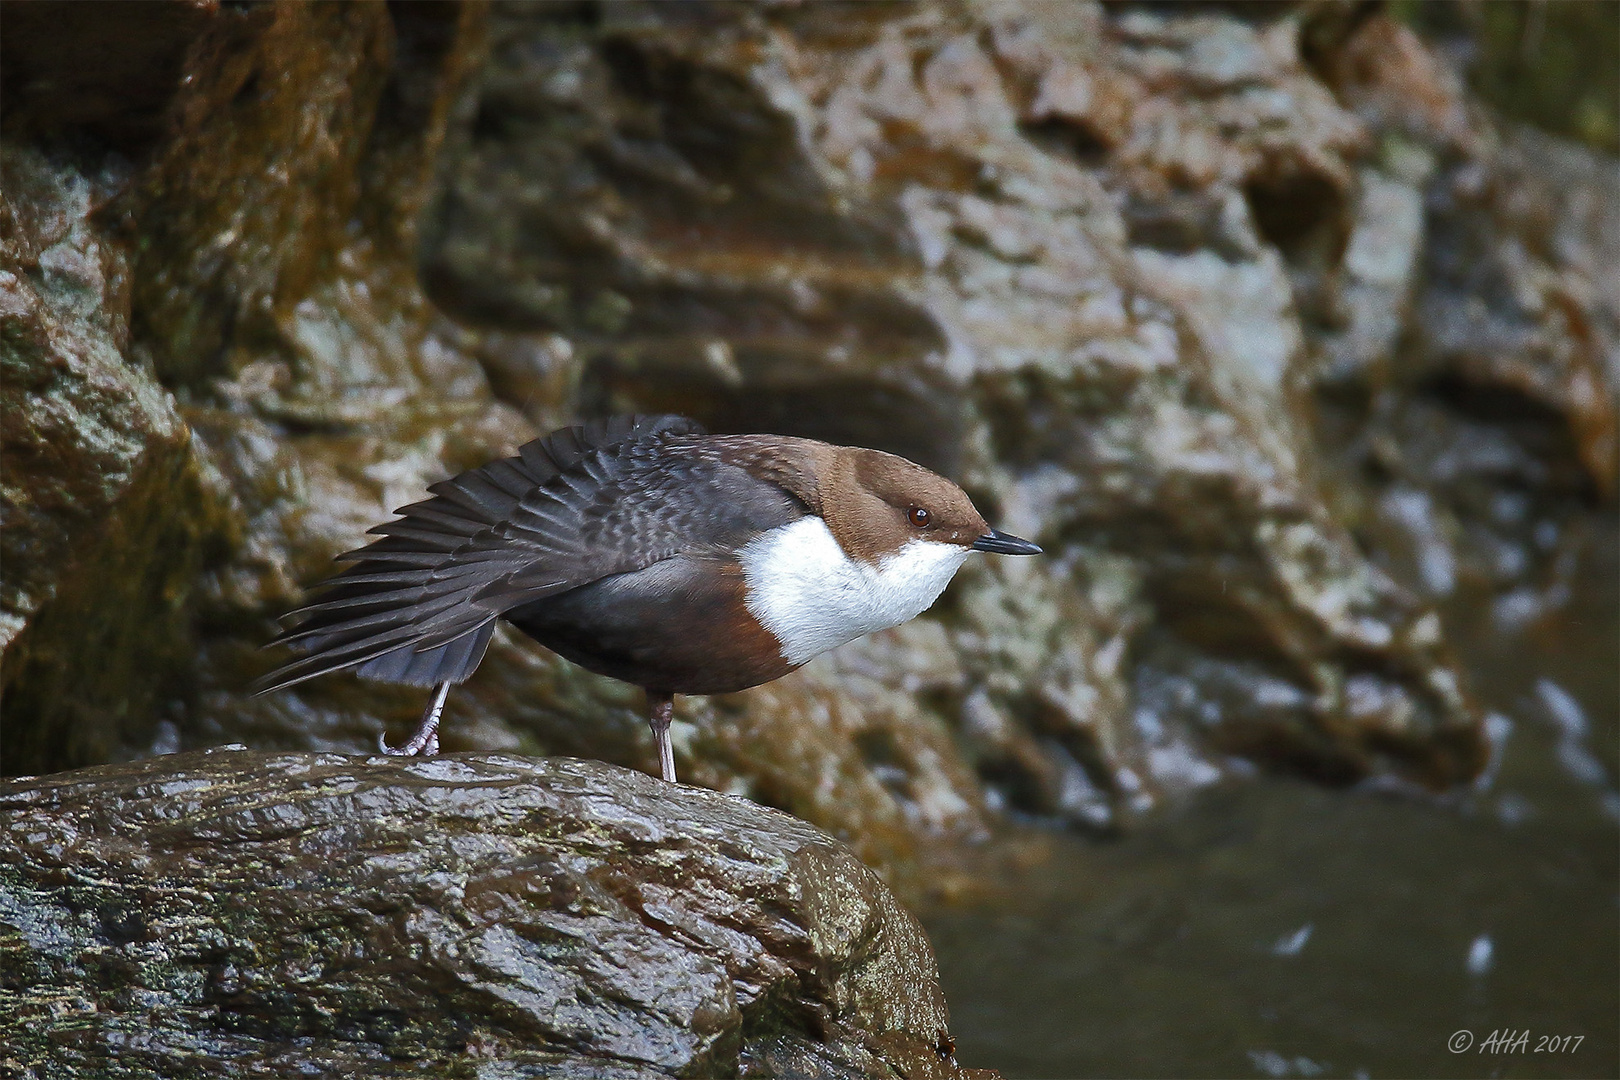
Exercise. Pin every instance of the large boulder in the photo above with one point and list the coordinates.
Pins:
(236, 913)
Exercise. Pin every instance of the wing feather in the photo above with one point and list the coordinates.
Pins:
(418, 604)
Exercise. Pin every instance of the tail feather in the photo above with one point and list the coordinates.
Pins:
(452, 662)
(324, 657)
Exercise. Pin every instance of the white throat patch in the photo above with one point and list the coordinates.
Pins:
(813, 597)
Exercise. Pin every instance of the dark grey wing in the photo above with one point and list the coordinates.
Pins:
(418, 606)
(372, 615)
(624, 511)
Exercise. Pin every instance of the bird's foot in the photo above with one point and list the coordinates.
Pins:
(425, 739)
(424, 743)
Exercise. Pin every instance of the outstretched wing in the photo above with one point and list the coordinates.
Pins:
(418, 605)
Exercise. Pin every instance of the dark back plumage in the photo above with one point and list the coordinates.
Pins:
(418, 605)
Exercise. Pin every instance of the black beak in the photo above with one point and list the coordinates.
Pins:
(1004, 544)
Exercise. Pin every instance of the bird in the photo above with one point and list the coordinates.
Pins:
(645, 549)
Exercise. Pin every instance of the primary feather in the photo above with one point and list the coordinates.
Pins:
(418, 605)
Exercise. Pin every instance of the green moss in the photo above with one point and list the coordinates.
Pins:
(85, 680)
(244, 208)
(1554, 65)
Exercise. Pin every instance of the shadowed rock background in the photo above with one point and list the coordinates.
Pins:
(1267, 331)
(1299, 360)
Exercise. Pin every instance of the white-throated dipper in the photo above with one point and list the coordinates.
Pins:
(642, 548)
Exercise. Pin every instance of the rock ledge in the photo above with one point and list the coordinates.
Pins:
(256, 914)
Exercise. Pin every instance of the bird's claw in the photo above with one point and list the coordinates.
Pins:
(417, 746)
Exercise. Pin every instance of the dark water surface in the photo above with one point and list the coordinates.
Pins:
(1273, 928)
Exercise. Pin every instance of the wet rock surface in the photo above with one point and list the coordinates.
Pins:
(250, 914)
(1256, 321)
(105, 522)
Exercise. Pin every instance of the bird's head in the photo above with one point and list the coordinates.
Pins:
(878, 505)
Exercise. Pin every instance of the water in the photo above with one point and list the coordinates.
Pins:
(1273, 928)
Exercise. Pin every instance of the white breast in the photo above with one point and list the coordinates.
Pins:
(813, 597)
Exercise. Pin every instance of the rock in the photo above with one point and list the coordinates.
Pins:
(252, 914)
(106, 523)
(249, 328)
(113, 76)
(1479, 437)
(1255, 320)
(1066, 255)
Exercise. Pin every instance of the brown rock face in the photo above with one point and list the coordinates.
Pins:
(263, 300)
(257, 915)
(1266, 333)
(104, 523)
(1069, 256)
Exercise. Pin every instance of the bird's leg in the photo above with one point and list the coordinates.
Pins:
(425, 740)
(661, 709)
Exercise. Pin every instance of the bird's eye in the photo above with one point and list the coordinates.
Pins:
(919, 517)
